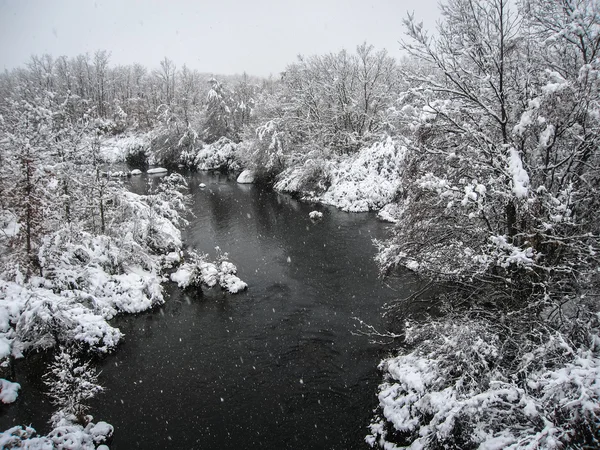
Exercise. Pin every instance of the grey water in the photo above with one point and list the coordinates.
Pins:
(277, 366)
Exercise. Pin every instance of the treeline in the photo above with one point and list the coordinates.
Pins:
(125, 96)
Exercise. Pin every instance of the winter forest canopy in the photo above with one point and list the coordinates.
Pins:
(482, 147)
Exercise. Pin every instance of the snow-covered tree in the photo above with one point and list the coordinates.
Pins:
(218, 114)
(71, 383)
(488, 174)
(499, 199)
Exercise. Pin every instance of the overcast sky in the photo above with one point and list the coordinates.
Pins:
(221, 36)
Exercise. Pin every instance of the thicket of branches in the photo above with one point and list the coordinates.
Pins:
(500, 200)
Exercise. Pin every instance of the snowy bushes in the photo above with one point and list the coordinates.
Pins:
(132, 147)
(369, 180)
(220, 155)
(499, 201)
(309, 176)
(85, 279)
(200, 272)
(266, 152)
(71, 384)
(364, 181)
(62, 437)
(476, 383)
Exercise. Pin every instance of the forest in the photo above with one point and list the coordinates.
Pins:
(481, 146)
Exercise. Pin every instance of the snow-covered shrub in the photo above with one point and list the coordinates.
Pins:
(71, 383)
(131, 147)
(489, 384)
(369, 179)
(62, 437)
(366, 180)
(266, 151)
(87, 279)
(199, 272)
(309, 175)
(158, 224)
(219, 155)
(172, 143)
(39, 319)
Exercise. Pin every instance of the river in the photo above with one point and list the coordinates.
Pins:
(275, 367)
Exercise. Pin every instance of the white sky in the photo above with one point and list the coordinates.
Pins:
(221, 36)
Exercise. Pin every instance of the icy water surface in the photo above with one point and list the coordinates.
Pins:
(276, 367)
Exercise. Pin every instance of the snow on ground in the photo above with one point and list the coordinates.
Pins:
(8, 391)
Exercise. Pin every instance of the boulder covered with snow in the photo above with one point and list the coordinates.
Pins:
(315, 215)
(246, 177)
(8, 391)
(136, 172)
(157, 170)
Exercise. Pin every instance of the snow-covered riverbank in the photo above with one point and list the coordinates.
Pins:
(86, 275)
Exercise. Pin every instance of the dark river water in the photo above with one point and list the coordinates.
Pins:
(275, 367)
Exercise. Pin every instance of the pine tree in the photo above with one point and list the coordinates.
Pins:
(71, 383)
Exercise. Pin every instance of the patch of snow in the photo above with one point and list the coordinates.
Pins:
(315, 215)
(547, 135)
(201, 272)
(116, 149)
(182, 276)
(232, 283)
(202, 185)
(9, 226)
(101, 431)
